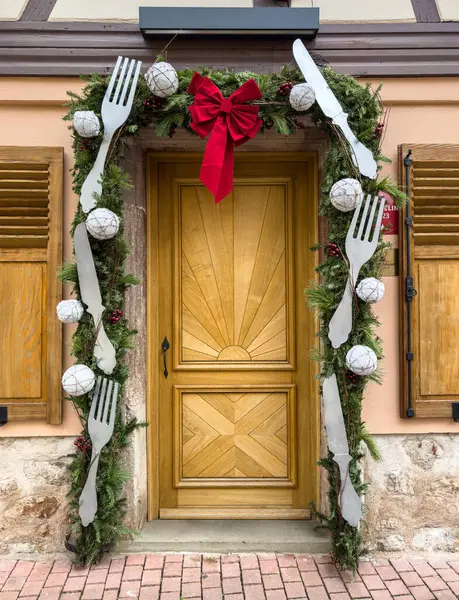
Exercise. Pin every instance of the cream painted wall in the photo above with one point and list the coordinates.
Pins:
(448, 9)
(11, 10)
(356, 11)
(330, 10)
(424, 110)
(120, 10)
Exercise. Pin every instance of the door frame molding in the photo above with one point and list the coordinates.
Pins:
(153, 271)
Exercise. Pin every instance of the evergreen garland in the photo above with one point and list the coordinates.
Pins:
(364, 109)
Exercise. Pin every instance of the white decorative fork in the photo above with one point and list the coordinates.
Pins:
(100, 428)
(359, 250)
(116, 107)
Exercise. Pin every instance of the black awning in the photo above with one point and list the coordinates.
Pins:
(235, 22)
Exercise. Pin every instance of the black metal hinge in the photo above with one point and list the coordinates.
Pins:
(410, 292)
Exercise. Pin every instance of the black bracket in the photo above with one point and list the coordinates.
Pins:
(3, 415)
(455, 406)
(408, 161)
(69, 544)
(410, 292)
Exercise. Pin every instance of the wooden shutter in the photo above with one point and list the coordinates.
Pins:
(30, 252)
(434, 241)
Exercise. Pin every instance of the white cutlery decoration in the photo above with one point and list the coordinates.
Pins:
(116, 107)
(349, 501)
(100, 428)
(361, 155)
(359, 250)
(91, 296)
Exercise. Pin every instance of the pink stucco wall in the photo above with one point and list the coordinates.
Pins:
(31, 114)
(420, 111)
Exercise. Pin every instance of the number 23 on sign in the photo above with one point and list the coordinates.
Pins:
(390, 215)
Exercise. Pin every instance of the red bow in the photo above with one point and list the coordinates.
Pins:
(231, 122)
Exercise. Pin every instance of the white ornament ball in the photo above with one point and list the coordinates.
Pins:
(86, 123)
(78, 380)
(346, 194)
(69, 311)
(162, 79)
(370, 290)
(102, 224)
(302, 97)
(361, 360)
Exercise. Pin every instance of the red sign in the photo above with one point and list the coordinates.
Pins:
(390, 215)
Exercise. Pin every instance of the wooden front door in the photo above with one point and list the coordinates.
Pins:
(237, 415)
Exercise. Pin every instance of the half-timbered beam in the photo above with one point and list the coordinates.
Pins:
(426, 11)
(38, 10)
(370, 50)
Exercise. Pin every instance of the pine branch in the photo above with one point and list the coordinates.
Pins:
(364, 109)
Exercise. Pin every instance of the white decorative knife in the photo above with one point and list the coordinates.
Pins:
(361, 155)
(90, 294)
(349, 502)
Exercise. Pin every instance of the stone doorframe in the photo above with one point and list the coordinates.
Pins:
(310, 139)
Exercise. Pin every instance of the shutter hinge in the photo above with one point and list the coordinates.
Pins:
(455, 407)
(3, 415)
(410, 292)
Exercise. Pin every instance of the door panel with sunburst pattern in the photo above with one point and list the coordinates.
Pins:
(233, 260)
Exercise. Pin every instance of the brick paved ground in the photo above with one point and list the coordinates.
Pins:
(232, 577)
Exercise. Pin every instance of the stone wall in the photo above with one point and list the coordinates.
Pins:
(135, 397)
(412, 505)
(33, 488)
(413, 501)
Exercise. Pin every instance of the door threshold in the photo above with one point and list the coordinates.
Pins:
(224, 537)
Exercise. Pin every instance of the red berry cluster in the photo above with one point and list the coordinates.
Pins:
(83, 443)
(172, 131)
(115, 316)
(333, 250)
(153, 103)
(284, 89)
(299, 125)
(378, 131)
(84, 144)
(352, 377)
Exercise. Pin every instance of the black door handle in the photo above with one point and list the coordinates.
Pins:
(165, 347)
